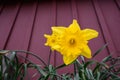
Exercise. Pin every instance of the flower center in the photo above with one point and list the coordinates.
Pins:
(72, 41)
(53, 41)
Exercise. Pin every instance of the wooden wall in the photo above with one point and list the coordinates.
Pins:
(24, 22)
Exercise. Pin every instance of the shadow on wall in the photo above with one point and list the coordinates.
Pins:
(11, 2)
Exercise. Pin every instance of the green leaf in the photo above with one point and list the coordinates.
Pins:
(98, 76)
(40, 70)
(16, 59)
(77, 77)
(12, 56)
(46, 78)
(5, 76)
(36, 56)
(2, 52)
(114, 76)
(51, 68)
(79, 65)
(1, 67)
(104, 74)
(107, 58)
(66, 77)
(82, 58)
(87, 73)
(91, 74)
(101, 49)
(25, 69)
(88, 63)
(6, 60)
(104, 65)
(61, 66)
(19, 70)
(96, 68)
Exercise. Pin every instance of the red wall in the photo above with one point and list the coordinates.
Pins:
(23, 24)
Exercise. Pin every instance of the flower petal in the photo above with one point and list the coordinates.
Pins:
(56, 47)
(89, 33)
(46, 36)
(58, 30)
(69, 59)
(86, 51)
(74, 27)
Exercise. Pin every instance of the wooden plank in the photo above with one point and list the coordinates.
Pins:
(74, 10)
(64, 14)
(1, 6)
(22, 30)
(88, 19)
(7, 19)
(117, 3)
(111, 16)
(20, 36)
(42, 25)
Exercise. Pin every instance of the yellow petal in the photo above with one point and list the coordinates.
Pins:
(46, 44)
(69, 59)
(58, 29)
(86, 51)
(56, 47)
(74, 26)
(89, 33)
(46, 36)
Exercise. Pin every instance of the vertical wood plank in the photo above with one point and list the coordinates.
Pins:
(42, 25)
(1, 6)
(117, 3)
(7, 19)
(20, 36)
(109, 19)
(88, 19)
(64, 13)
(74, 10)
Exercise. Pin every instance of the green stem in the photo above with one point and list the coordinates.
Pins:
(82, 58)
(1, 67)
(83, 76)
(49, 57)
(75, 65)
(58, 76)
(63, 65)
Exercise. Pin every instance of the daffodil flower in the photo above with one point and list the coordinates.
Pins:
(71, 41)
(54, 39)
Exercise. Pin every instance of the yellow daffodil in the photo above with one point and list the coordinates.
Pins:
(74, 42)
(53, 40)
(71, 42)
